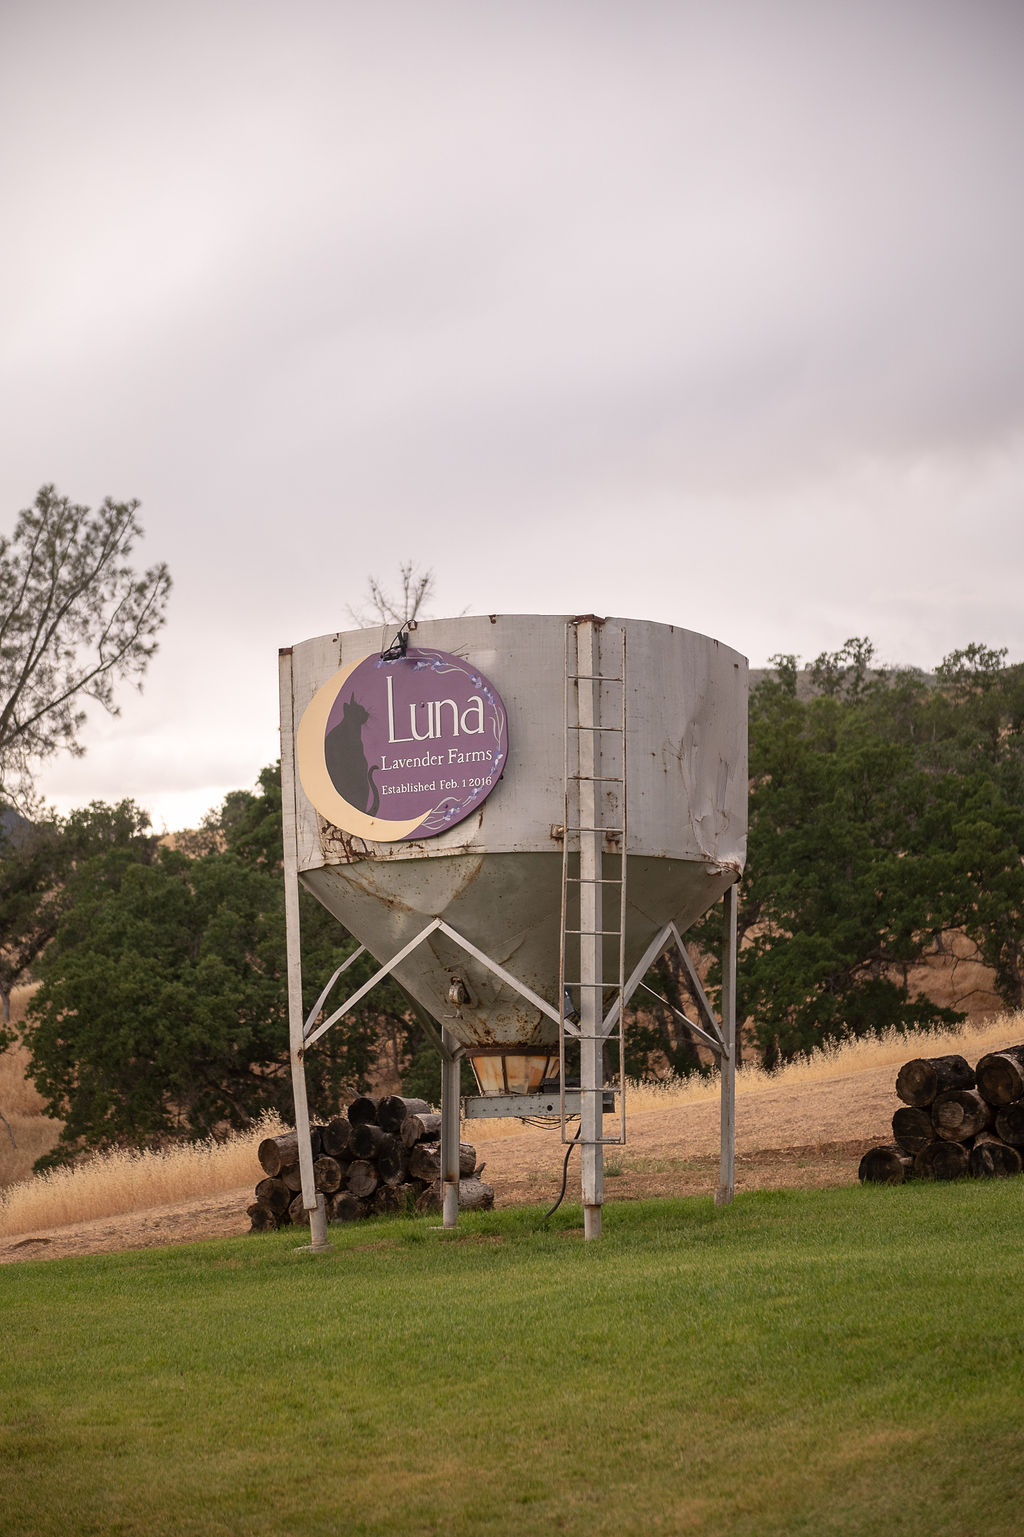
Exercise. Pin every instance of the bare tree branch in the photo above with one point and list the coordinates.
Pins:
(380, 607)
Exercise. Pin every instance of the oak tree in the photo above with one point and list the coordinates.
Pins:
(162, 1009)
(75, 619)
(37, 859)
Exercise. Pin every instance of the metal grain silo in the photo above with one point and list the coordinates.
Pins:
(515, 814)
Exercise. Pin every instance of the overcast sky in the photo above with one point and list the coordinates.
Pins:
(704, 313)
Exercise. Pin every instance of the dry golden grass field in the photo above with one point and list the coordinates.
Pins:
(806, 1126)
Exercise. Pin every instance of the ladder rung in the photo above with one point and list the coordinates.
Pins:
(610, 851)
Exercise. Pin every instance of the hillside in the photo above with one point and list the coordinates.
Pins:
(805, 1128)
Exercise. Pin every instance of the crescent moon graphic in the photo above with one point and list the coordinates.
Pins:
(309, 752)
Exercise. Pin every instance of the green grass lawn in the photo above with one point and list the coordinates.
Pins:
(840, 1362)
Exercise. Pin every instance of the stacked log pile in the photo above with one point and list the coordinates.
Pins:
(955, 1120)
(383, 1156)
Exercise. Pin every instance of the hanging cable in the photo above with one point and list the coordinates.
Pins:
(565, 1174)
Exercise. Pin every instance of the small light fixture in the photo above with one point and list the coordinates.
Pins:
(504, 1070)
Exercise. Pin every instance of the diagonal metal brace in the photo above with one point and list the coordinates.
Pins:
(436, 924)
(315, 1010)
(701, 997)
(670, 934)
(702, 1035)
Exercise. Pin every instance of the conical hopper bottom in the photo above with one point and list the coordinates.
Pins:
(508, 906)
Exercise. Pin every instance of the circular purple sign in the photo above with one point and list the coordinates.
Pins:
(403, 747)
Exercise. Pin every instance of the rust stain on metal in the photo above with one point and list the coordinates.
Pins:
(333, 840)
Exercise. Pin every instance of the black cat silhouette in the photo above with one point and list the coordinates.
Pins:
(346, 762)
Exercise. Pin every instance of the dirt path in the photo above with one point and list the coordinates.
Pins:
(785, 1137)
(800, 1137)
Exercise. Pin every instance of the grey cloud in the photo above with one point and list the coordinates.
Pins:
(699, 313)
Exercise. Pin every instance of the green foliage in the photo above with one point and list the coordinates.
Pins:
(658, 1040)
(885, 811)
(163, 1005)
(157, 1012)
(421, 1069)
(30, 864)
(75, 618)
(36, 861)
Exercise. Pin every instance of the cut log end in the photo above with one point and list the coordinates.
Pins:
(1001, 1075)
(297, 1213)
(262, 1219)
(277, 1153)
(425, 1160)
(912, 1128)
(888, 1165)
(368, 1138)
(422, 1127)
(941, 1160)
(922, 1078)
(363, 1179)
(992, 1159)
(1010, 1123)
(363, 1110)
(392, 1163)
(474, 1195)
(336, 1137)
(395, 1109)
(960, 1114)
(345, 1207)
(274, 1195)
(327, 1174)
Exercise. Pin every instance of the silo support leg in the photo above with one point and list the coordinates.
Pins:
(312, 1199)
(318, 1224)
(592, 1151)
(451, 1075)
(727, 1177)
(592, 1209)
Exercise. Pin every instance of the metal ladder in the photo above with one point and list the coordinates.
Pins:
(592, 953)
